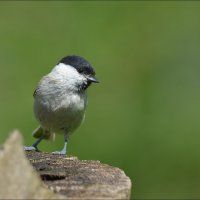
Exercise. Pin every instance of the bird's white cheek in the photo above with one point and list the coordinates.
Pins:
(68, 76)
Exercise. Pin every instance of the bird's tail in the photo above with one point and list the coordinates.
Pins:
(39, 131)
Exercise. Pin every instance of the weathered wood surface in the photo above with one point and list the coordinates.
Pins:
(80, 178)
(62, 177)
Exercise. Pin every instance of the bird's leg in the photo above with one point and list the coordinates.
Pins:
(33, 147)
(64, 150)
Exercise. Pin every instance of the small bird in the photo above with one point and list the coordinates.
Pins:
(60, 100)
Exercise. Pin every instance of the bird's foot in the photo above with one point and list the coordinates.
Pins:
(31, 148)
(59, 152)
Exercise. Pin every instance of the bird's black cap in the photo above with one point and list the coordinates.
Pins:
(79, 63)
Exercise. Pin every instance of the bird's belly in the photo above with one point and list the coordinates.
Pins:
(60, 114)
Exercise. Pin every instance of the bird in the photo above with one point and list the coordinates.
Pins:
(60, 100)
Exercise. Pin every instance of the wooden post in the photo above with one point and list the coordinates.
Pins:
(62, 177)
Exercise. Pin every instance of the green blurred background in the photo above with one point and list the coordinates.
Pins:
(144, 116)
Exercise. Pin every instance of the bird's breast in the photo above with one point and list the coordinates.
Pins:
(61, 111)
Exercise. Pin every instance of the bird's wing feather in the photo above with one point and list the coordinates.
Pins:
(34, 93)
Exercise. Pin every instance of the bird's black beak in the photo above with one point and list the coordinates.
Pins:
(92, 79)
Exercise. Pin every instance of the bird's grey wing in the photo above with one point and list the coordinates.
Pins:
(49, 84)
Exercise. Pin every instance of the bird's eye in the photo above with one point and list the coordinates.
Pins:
(81, 71)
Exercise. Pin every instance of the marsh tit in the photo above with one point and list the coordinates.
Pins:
(60, 99)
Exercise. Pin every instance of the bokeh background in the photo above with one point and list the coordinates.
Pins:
(144, 115)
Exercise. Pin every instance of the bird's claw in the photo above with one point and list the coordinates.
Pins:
(31, 148)
(59, 152)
